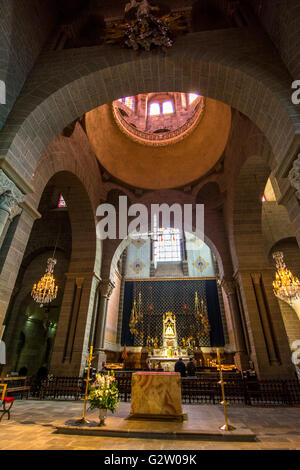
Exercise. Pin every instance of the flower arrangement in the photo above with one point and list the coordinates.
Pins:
(104, 393)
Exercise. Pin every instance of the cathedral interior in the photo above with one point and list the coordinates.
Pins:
(207, 119)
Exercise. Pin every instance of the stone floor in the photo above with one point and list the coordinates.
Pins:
(32, 427)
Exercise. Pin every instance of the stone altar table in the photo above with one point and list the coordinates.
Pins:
(156, 395)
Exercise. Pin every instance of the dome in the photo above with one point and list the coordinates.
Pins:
(134, 160)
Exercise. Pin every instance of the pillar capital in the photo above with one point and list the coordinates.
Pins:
(10, 195)
(294, 176)
(106, 287)
(256, 277)
(228, 285)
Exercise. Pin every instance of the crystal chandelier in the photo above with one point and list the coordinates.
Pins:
(286, 286)
(45, 290)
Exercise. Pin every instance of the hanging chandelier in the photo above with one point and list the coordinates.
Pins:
(45, 290)
(285, 286)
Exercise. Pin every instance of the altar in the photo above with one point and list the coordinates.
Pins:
(156, 395)
(166, 356)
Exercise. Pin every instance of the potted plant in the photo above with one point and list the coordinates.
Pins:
(104, 395)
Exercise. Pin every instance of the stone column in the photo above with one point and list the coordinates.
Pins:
(106, 288)
(265, 320)
(291, 197)
(71, 345)
(73, 320)
(270, 350)
(10, 197)
(241, 357)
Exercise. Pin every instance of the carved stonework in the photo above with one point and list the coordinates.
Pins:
(294, 176)
(256, 278)
(228, 286)
(16, 210)
(106, 288)
(10, 195)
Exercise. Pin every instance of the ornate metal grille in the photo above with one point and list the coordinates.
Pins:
(177, 296)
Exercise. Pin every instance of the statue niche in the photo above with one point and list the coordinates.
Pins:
(170, 345)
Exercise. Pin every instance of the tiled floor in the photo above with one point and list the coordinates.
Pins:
(32, 428)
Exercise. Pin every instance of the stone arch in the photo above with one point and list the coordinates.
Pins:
(61, 155)
(123, 244)
(45, 110)
(247, 211)
(15, 321)
(73, 330)
(77, 178)
(276, 225)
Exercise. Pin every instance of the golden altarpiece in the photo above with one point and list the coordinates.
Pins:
(169, 353)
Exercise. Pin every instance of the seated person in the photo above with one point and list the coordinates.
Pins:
(180, 367)
(190, 368)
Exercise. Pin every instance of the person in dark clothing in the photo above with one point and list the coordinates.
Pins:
(23, 371)
(42, 373)
(190, 368)
(180, 367)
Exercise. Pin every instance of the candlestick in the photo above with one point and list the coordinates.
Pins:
(83, 419)
(226, 426)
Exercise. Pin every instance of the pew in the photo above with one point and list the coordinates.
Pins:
(15, 385)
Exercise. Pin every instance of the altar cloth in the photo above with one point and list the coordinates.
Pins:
(156, 395)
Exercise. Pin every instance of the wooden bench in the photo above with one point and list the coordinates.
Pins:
(19, 385)
(56, 390)
(64, 387)
(5, 402)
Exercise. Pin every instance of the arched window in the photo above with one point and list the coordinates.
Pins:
(129, 101)
(168, 107)
(166, 245)
(192, 97)
(154, 109)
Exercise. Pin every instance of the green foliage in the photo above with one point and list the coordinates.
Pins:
(104, 393)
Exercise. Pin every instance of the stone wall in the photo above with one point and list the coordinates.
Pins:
(111, 328)
(25, 26)
(281, 19)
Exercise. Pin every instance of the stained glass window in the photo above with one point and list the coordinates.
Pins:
(192, 97)
(128, 101)
(168, 107)
(154, 109)
(166, 245)
(61, 202)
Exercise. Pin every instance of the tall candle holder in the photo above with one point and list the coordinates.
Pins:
(226, 426)
(83, 419)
